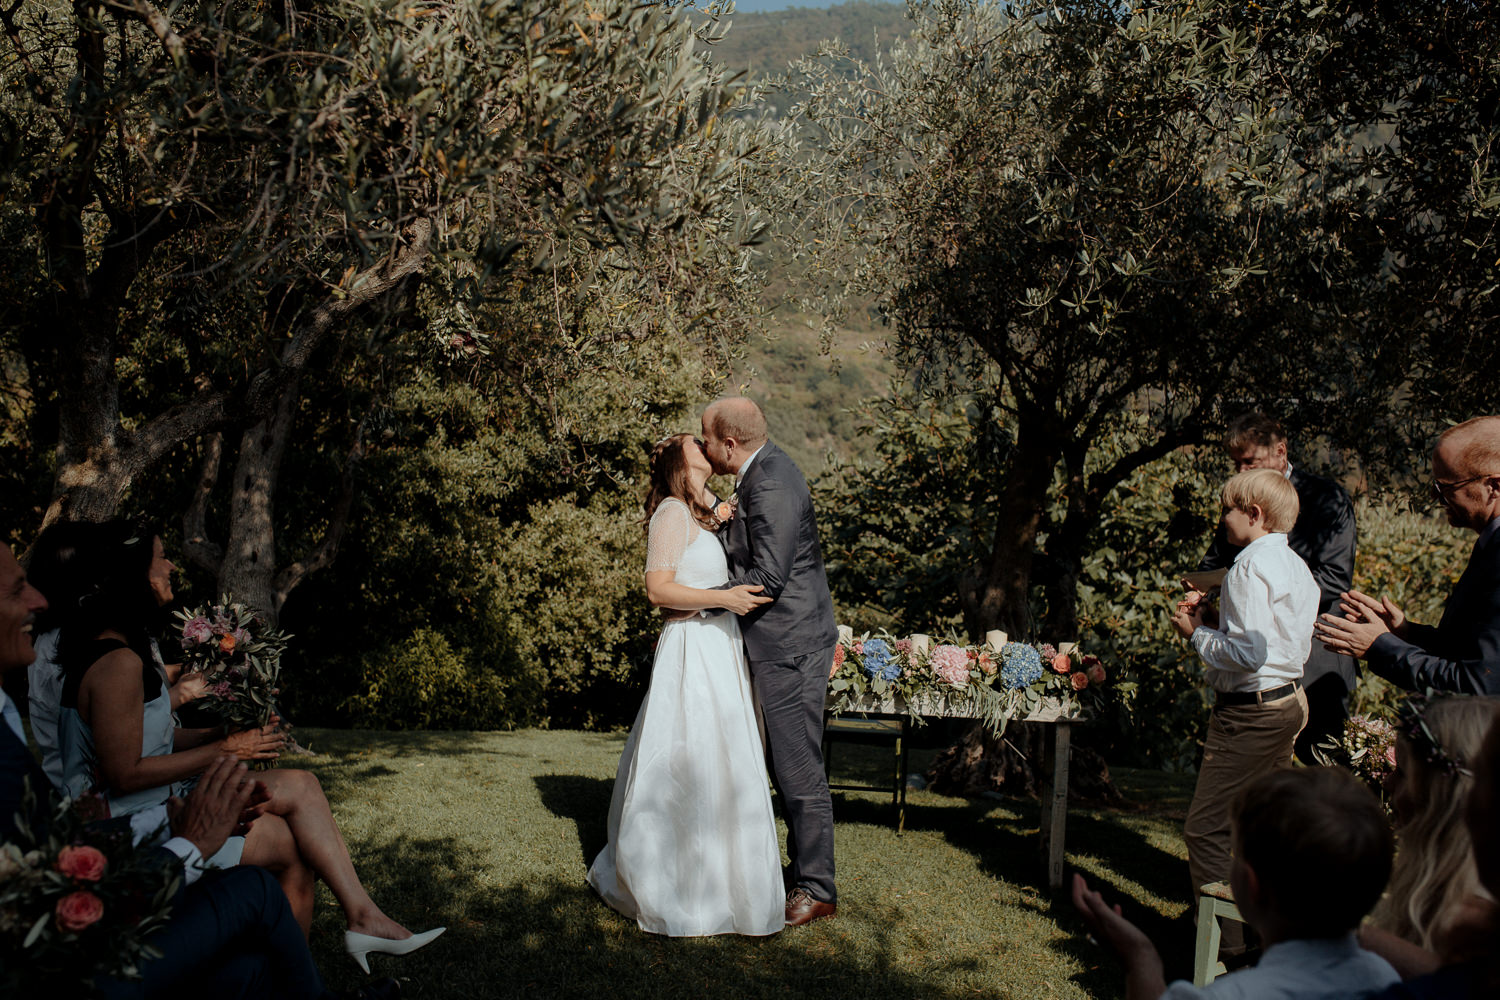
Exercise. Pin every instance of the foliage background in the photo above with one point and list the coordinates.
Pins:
(490, 576)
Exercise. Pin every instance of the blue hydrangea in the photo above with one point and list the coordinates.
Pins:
(879, 660)
(1021, 665)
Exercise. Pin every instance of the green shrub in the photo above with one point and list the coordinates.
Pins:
(423, 682)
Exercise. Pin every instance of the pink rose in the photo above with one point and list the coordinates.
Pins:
(1096, 673)
(82, 864)
(1080, 681)
(78, 910)
(1062, 663)
(197, 630)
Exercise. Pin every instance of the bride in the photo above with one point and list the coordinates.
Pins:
(692, 844)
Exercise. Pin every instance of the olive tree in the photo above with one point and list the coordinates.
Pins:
(1080, 214)
(205, 205)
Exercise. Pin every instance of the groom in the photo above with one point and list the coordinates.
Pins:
(772, 540)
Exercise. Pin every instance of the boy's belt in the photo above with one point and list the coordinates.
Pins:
(1257, 697)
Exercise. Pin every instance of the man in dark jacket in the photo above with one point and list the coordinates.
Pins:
(1462, 652)
(1324, 537)
(773, 541)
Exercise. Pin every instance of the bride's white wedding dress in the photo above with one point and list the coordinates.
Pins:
(692, 842)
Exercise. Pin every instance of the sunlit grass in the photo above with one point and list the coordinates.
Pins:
(491, 833)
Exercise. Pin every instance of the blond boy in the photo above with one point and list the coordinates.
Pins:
(1253, 651)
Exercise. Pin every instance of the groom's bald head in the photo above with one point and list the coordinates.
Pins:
(733, 429)
(738, 418)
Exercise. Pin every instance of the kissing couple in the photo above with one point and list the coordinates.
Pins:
(745, 650)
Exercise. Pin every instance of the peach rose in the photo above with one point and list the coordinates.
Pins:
(82, 864)
(1080, 681)
(1062, 663)
(986, 662)
(226, 643)
(78, 910)
(1096, 674)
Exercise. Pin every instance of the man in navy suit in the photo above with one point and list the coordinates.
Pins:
(1324, 536)
(772, 541)
(1462, 653)
(231, 933)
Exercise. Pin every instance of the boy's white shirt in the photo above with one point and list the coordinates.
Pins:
(1266, 614)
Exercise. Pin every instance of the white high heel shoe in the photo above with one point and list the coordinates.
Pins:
(359, 945)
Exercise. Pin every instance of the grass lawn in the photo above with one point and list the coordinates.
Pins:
(491, 833)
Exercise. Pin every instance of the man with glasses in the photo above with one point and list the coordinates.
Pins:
(1324, 537)
(1462, 653)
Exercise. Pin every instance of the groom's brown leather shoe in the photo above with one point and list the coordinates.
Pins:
(801, 908)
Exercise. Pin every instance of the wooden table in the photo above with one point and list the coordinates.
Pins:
(1059, 715)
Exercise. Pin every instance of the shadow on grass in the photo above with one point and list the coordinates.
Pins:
(1003, 836)
(552, 939)
(583, 800)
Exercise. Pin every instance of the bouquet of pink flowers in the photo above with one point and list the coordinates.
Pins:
(76, 902)
(239, 657)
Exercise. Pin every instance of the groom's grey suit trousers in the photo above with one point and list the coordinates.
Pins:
(773, 542)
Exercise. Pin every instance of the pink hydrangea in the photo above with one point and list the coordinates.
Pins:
(1047, 650)
(951, 664)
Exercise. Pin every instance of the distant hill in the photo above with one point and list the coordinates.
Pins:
(804, 397)
(764, 43)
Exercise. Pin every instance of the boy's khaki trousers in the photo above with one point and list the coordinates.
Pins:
(1244, 742)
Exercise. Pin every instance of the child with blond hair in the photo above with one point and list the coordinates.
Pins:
(1253, 650)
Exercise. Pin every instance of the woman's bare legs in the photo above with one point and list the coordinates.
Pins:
(298, 799)
(270, 845)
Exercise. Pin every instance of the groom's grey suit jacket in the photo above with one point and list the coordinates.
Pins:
(773, 541)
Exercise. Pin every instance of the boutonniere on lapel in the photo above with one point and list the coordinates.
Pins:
(724, 510)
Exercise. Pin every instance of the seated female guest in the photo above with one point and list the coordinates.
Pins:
(116, 734)
(1435, 910)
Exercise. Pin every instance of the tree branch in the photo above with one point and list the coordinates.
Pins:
(160, 26)
(204, 553)
(328, 548)
(356, 290)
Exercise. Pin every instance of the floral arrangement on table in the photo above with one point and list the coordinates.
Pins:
(1368, 748)
(239, 657)
(995, 682)
(76, 901)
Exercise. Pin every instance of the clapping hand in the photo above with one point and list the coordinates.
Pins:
(216, 807)
(1363, 621)
(1144, 975)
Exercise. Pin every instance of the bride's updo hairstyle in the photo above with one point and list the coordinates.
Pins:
(669, 478)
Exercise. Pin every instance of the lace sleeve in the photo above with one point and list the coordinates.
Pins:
(671, 530)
